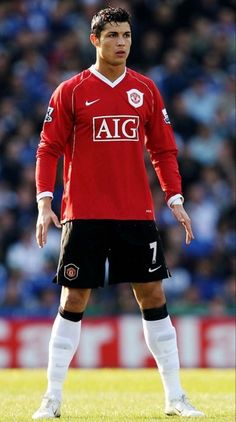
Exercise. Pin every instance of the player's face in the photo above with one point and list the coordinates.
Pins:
(114, 43)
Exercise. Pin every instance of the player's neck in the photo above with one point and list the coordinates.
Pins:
(109, 71)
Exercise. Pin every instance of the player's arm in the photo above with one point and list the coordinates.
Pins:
(163, 151)
(56, 132)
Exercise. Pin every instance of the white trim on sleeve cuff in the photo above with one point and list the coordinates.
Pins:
(44, 195)
(177, 199)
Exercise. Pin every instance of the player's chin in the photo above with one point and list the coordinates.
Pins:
(119, 60)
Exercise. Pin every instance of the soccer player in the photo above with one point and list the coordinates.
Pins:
(100, 121)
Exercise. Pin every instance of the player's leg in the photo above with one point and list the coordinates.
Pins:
(136, 256)
(81, 268)
(63, 344)
(160, 336)
(65, 337)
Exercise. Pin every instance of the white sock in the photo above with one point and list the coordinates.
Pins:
(62, 347)
(160, 337)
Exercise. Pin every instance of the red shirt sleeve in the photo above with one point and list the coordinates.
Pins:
(56, 133)
(162, 148)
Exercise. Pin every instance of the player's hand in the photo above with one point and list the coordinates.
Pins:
(45, 217)
(181, 215)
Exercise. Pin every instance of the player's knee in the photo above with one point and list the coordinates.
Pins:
(150, 296)
(74, 300)
(155, 301)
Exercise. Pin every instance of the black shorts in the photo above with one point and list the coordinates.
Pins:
(132, 250)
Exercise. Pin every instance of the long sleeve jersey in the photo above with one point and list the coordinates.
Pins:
(102, 128)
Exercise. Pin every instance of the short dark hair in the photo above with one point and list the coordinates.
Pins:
(110, 14)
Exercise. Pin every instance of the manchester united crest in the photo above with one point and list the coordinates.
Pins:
(135, 97)
(71, 271)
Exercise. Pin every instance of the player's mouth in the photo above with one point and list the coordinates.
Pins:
(121, 53)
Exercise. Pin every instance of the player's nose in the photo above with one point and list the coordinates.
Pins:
(120, 41)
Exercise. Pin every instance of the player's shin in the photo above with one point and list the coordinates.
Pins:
(160, 337)
(62, 347)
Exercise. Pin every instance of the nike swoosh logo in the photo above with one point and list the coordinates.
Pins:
(88, 103)
(153, 269)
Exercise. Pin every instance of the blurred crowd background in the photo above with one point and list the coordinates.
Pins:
(188, 48)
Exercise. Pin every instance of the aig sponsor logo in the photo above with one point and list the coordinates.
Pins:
(115, 128)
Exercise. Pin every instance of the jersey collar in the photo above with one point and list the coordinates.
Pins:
(104, 79)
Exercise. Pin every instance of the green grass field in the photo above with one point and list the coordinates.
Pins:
(117, 395)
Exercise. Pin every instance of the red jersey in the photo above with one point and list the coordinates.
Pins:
(101, 128)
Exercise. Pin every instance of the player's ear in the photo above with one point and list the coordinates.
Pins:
(94, 40)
